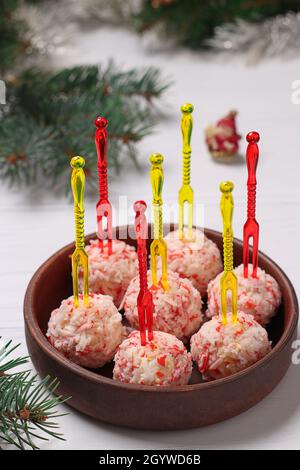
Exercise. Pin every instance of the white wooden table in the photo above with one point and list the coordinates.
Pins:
(34, 225)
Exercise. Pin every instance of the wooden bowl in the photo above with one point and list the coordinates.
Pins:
(197, 404)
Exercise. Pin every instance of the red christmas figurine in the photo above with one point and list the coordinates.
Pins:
(222, 139)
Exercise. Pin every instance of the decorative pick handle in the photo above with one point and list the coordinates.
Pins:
(80, 256)
(103, 208)
(144, 301)
(186, 193)
(228, 279)
(158, 246)
(251, 227)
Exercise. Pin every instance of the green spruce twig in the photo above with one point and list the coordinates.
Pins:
(49, 118)
(28, 408)
(192, 22)
(12, 31)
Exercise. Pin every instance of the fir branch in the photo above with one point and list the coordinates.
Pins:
(13, 42)
(11, 363)
(49, 118)
(192, 22)
(28, 408)
(25, 148)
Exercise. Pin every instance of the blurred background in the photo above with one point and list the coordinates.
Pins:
(136, 62)
(62, 63)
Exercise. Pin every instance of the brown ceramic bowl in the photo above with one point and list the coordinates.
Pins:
(197, 404)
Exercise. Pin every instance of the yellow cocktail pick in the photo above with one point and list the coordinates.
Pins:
(158, 246)
(186, 193)
(80, 256)
(228, 279)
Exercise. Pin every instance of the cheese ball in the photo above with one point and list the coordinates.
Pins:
(259, 296)
(176, 311)
(111, 274)
(198, 260)
(162, 362)
(222, 350)
(87, 335)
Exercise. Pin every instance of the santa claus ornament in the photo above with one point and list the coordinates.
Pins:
(222, 138)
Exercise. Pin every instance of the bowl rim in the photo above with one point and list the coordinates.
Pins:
(32, 325)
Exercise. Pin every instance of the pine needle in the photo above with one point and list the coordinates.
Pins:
(28, 408)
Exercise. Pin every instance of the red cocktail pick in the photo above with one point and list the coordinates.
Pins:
(103, 208)
(144, 301)
(251, 227)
